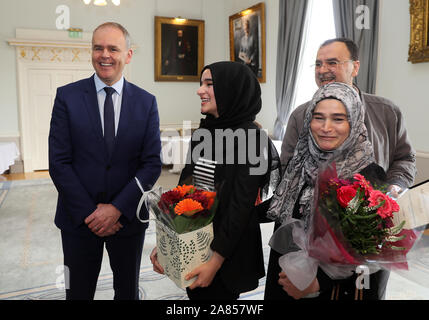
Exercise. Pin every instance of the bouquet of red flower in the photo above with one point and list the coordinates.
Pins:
(352, 225)
(359, 218)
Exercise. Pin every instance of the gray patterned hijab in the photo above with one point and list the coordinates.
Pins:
(352, 156)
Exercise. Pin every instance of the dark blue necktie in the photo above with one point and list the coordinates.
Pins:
(109, 120)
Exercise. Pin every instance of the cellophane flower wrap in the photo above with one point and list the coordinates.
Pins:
(352, 225)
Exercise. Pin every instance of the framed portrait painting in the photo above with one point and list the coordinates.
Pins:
(247, 38)
(179, 49)
(419, 37)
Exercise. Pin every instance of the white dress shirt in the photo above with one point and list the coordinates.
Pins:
(116, 98)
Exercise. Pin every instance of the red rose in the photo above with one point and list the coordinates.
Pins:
(345, 194)
(389, 206)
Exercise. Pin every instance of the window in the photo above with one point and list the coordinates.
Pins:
(321, 27)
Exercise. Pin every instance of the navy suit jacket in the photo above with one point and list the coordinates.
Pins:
(78, 162)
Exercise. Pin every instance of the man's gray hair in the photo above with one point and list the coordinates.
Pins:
(117, 26)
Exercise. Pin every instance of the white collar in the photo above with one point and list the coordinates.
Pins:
(118, 85)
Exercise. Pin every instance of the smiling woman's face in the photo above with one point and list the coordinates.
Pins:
(206, 93)
(329, 125)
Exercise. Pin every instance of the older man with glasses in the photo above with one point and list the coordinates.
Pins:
(337, 61)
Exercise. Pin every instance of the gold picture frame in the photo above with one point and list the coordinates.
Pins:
(247, 38)
(179, 49)
(419, 37)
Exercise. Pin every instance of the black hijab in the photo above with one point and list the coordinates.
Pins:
(238, 99)
(238, 95)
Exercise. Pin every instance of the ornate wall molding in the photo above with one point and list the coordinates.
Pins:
(419, 37)
(51, 46)
(53, 54)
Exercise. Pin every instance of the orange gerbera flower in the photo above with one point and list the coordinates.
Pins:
(184, 189)
(188, 207)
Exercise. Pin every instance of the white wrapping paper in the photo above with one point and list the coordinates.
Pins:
(179, 254)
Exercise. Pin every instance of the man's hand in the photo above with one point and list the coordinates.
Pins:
(205, 272)
(293, 291)
(104, 220)
(110, 232)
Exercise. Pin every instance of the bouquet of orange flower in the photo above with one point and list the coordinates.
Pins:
(184, 229)
(186, 208)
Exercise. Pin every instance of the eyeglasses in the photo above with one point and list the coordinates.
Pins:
(330, 64)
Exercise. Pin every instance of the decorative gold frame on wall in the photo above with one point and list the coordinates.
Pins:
(259, 10)
(159, 41)
(419, 37)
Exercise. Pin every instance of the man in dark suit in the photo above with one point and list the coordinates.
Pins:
(100, 140)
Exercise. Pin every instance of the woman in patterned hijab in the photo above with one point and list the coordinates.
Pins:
(333, 131)
(353, 155)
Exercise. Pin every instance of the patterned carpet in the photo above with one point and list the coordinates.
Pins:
(31, 254)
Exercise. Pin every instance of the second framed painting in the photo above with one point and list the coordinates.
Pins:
(179, 49)
(419, 37)
(247, 38)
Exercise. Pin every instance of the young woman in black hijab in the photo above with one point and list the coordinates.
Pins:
(230, 99)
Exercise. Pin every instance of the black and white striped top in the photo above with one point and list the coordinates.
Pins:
(203, 174)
